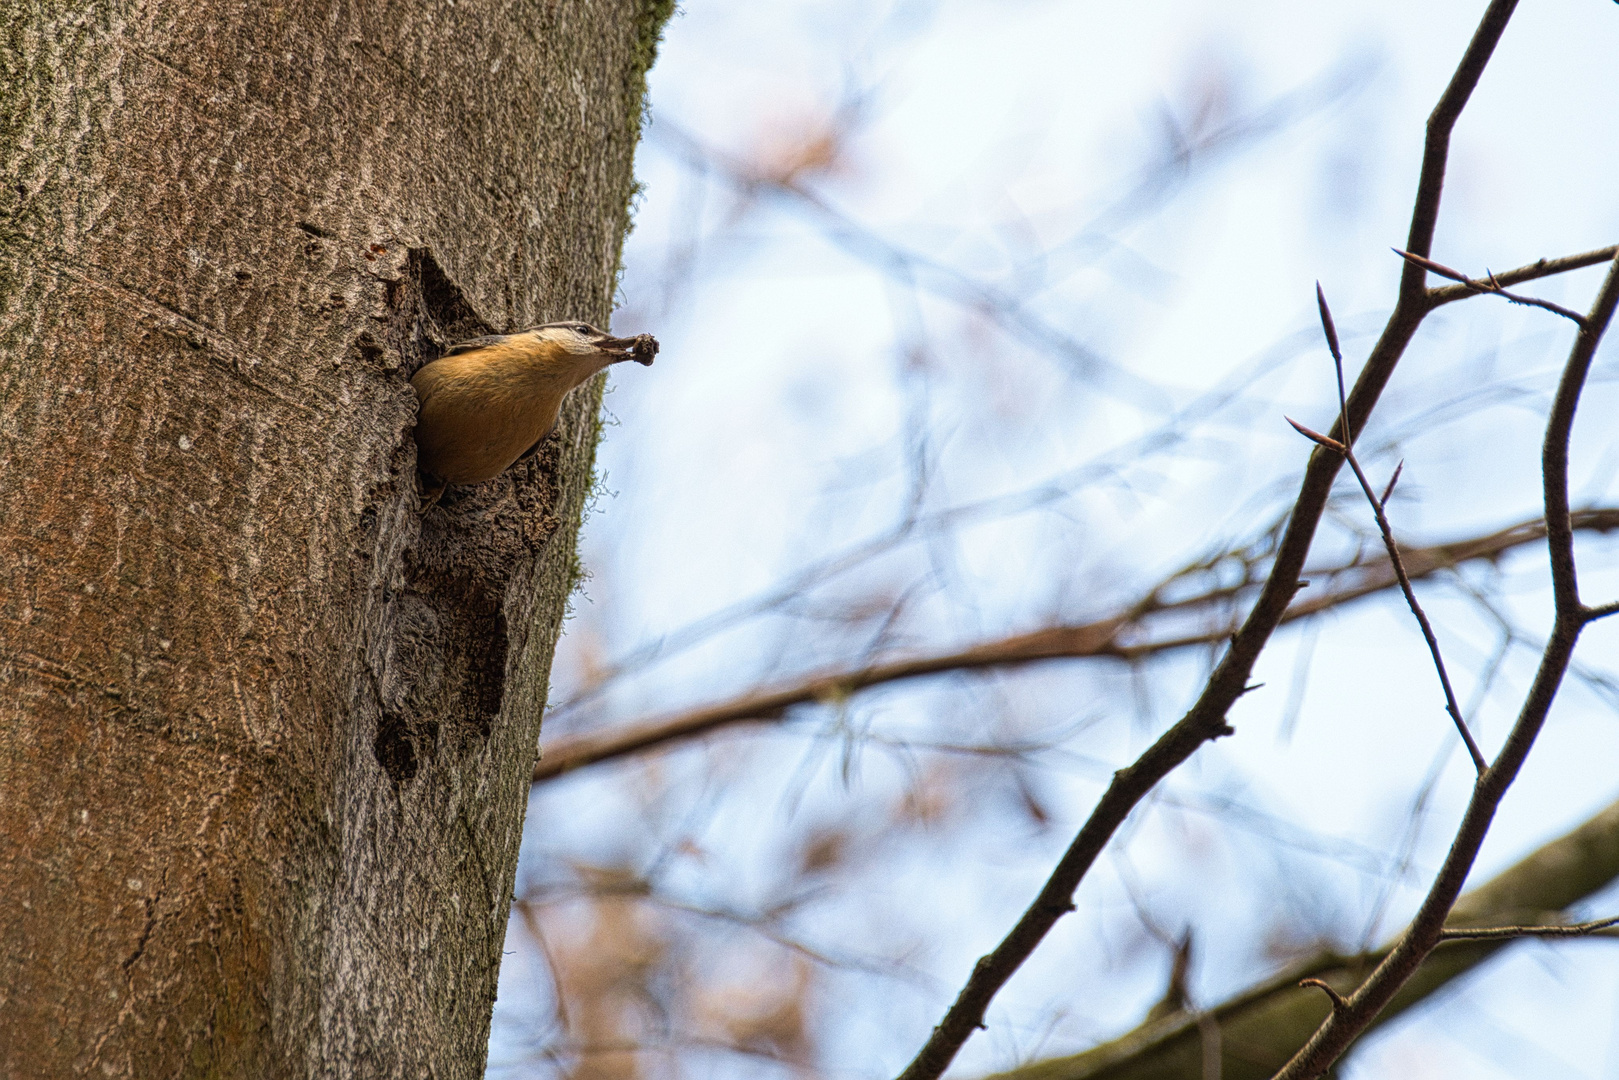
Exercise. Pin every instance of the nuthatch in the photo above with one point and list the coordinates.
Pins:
(492, 400)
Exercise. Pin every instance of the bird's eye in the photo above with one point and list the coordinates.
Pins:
(583, 329)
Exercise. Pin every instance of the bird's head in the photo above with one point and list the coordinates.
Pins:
(587, 346)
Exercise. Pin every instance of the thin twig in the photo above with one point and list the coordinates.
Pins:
(1490, 285)
(1602, 611)
(1491, 933)
(1451, 705)
(1540, 268)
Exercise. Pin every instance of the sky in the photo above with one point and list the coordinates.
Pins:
(809, 397)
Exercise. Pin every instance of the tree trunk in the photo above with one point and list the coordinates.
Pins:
(265, 733)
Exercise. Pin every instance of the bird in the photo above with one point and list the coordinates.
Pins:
(490, 401)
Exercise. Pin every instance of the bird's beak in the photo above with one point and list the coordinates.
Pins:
(641, 348)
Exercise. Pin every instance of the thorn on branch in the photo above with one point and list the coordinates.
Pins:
(1435, 268)
(1339, 1002)
(1395, 479)
(1316, 437)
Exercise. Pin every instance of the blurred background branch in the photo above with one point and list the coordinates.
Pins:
(1124, 637)
(981, 317)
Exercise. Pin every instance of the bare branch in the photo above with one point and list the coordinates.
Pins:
(1168, 434)
(1554, 452)
(1539, 269)
(1262, 1026)
(1430, 185)
(1109, 638)
(1207, 718)
(1343, 1026)
(1493, 933)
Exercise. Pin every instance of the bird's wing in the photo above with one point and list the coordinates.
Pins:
(473, 344)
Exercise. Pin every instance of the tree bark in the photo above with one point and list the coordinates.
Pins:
(265, 733)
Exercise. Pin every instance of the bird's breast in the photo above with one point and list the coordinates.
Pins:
(479, 415)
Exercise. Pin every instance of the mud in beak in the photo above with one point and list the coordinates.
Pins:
(641, 348)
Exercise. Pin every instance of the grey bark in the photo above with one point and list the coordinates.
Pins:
(265, 734)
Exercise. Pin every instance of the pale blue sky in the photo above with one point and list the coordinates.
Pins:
(772, 430)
